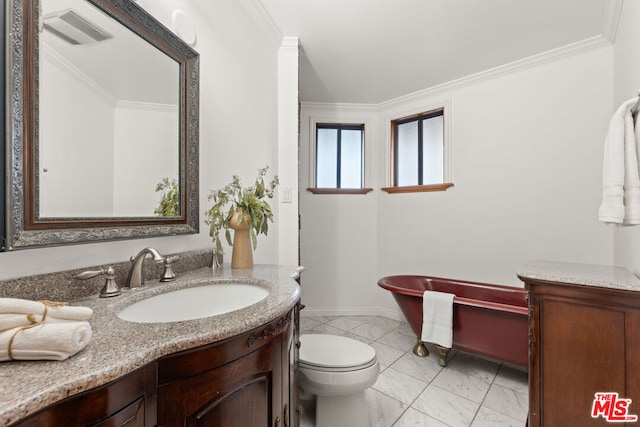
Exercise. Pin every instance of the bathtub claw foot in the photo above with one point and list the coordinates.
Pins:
(444, 352)
(420, 349)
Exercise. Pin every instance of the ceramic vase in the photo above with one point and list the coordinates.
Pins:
(242, 255)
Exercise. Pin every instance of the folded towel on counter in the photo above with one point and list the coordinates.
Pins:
(620, 177)
(16, 312)
(437, 318)
(45, 341)
(11, 321)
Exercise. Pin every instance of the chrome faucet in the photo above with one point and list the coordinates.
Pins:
(136, 273)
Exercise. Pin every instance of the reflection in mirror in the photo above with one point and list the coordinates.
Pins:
(98, 120)
(104, 108)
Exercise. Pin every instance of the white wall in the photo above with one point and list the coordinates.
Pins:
(339, 233)
(83, 149)
(526, 158)
(238, 133)
(626, 85)
(145, 151)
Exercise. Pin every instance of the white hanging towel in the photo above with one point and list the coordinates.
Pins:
(620, 177)
(437, 318)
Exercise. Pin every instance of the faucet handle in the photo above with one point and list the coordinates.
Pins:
(168, 275)
(85, 275)
(110, 288)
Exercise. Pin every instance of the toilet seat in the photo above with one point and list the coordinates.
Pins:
(333, 353)
(334, 369)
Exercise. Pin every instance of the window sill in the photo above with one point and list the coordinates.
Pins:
(418, 188)
(339, 190)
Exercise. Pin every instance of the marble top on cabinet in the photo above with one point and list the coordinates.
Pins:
(119, 347)
(601, 276)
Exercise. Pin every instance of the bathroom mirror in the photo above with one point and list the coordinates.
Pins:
(104, 105)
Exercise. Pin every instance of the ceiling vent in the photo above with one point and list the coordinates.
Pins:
(74, 28)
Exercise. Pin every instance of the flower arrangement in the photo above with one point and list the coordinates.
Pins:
(170, 202)
(250, 202)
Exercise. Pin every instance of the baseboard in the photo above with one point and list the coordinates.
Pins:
(352, 311)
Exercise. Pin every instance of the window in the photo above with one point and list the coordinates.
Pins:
(339, 159)
(418, 153)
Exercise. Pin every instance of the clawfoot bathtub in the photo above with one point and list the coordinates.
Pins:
(488, 320)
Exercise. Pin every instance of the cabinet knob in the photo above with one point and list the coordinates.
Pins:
(277, 424)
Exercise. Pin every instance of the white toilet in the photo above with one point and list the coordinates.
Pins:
(337, 371)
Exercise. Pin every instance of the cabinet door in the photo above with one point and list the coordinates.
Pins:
(581, 352)
(127, 402)
(242, 393)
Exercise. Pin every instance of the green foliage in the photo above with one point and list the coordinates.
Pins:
(251, 202)
(170, 202)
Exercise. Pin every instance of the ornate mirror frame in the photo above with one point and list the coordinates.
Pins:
(23, 227)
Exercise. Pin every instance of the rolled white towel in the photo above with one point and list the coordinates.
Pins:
(45, 341)
(16, 312)
(11, 321)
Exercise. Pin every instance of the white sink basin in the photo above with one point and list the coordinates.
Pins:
(194, 303)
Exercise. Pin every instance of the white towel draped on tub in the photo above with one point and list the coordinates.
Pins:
(437, 318)
(44, 341)
(620, 177)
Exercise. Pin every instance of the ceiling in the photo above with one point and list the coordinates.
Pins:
(125, 53)
(371, 51)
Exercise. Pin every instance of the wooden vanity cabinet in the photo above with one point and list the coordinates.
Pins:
(583, 340)
(238, 382)
(250, 380)
(126, 402)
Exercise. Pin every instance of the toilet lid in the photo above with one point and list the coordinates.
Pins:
(333, 351)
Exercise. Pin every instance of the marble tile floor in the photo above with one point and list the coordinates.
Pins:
(414, 391)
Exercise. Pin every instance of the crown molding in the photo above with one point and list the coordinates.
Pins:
(57, 60)
(290, 43)
(577, 48)
(612, 11)
(259, 14)
(147, 106)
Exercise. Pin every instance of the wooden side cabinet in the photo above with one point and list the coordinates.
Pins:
(583, 340)
(126, 402)
(237, 382)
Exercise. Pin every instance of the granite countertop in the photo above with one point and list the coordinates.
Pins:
(119, 347)
(601, 276)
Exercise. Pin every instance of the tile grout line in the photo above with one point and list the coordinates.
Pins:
(486, 394)
(419, 394)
